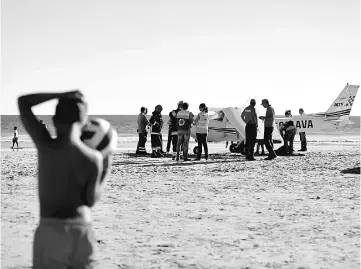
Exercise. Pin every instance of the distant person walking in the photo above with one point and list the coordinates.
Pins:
(303, 138)
(142, 130)
(201, 123)
(184, 121)
(249, 116)
(156, 122)
(15, 138)
(173, 129)
(268, 128)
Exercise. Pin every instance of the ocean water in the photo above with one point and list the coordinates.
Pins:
(126, 126)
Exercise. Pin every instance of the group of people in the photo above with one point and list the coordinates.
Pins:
(287, 130)
(179, 131)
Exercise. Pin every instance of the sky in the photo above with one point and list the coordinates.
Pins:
(126, 54)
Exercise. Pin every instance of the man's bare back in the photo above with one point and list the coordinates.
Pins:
(70, 182)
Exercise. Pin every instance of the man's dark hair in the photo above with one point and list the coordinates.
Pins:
(185, 106)
(142, 109)
(70, 111)
(15, 128)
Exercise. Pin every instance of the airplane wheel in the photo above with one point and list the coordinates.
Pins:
(242, 149)
(232, 148)
(195, 150)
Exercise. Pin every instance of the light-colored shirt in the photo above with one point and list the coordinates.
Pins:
(202, 122)
(142, 123)
(270, 117)
(16, 134)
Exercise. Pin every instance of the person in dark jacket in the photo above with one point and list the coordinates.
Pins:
(156, 122)
(173, 129)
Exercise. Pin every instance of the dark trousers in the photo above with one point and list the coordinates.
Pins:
(141, 143)
(268, 141)
(156, 141)
(202, 141)
(288, 139)
(161, 142)
(251, 138)
(169, 142)
(303, 140)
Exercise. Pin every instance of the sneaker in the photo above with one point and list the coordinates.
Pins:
(197, 159)
(250, 159)
(270, 158)
(186, 160)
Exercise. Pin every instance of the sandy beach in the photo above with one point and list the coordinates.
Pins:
(293, 212)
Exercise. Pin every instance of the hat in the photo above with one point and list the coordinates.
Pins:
(264, 101)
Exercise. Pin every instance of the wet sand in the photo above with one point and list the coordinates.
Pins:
(293, 212)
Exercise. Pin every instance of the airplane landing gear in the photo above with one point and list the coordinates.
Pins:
(240, 149)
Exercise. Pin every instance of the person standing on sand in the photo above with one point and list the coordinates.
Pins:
(173, 129)
(201, 122)
(184, 121)
(156, 122)
(15, 138)
(71, 178)
(268, 129)
(303, 138)
(142, 131)
(249, 116)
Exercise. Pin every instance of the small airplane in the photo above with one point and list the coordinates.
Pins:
(226, 124)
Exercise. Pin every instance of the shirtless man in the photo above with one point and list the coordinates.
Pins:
(70, 182)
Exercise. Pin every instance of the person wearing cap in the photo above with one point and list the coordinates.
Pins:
(173, 129)
(268, 128)
(249, 116)
(143, 122)
(156, 122)
(184, 121)
(70, 181)
(303, 138)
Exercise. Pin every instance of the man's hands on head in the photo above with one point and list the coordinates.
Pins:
(74, 94)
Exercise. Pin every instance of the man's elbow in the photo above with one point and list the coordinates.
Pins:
(23, 104)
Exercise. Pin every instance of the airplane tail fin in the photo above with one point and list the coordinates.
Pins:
(343, 103)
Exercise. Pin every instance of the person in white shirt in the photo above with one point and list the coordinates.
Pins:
(15, 138)
(201, 123)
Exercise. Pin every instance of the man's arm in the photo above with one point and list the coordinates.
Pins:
(243, 116)
(145, 120)
(93, 186)
(31, 123)
(197, 119)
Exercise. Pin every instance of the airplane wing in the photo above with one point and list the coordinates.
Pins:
(234, 117)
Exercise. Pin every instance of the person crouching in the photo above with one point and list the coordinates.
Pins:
(288, 131)
(156, 122)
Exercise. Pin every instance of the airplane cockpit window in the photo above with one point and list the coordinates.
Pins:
(219, 115)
